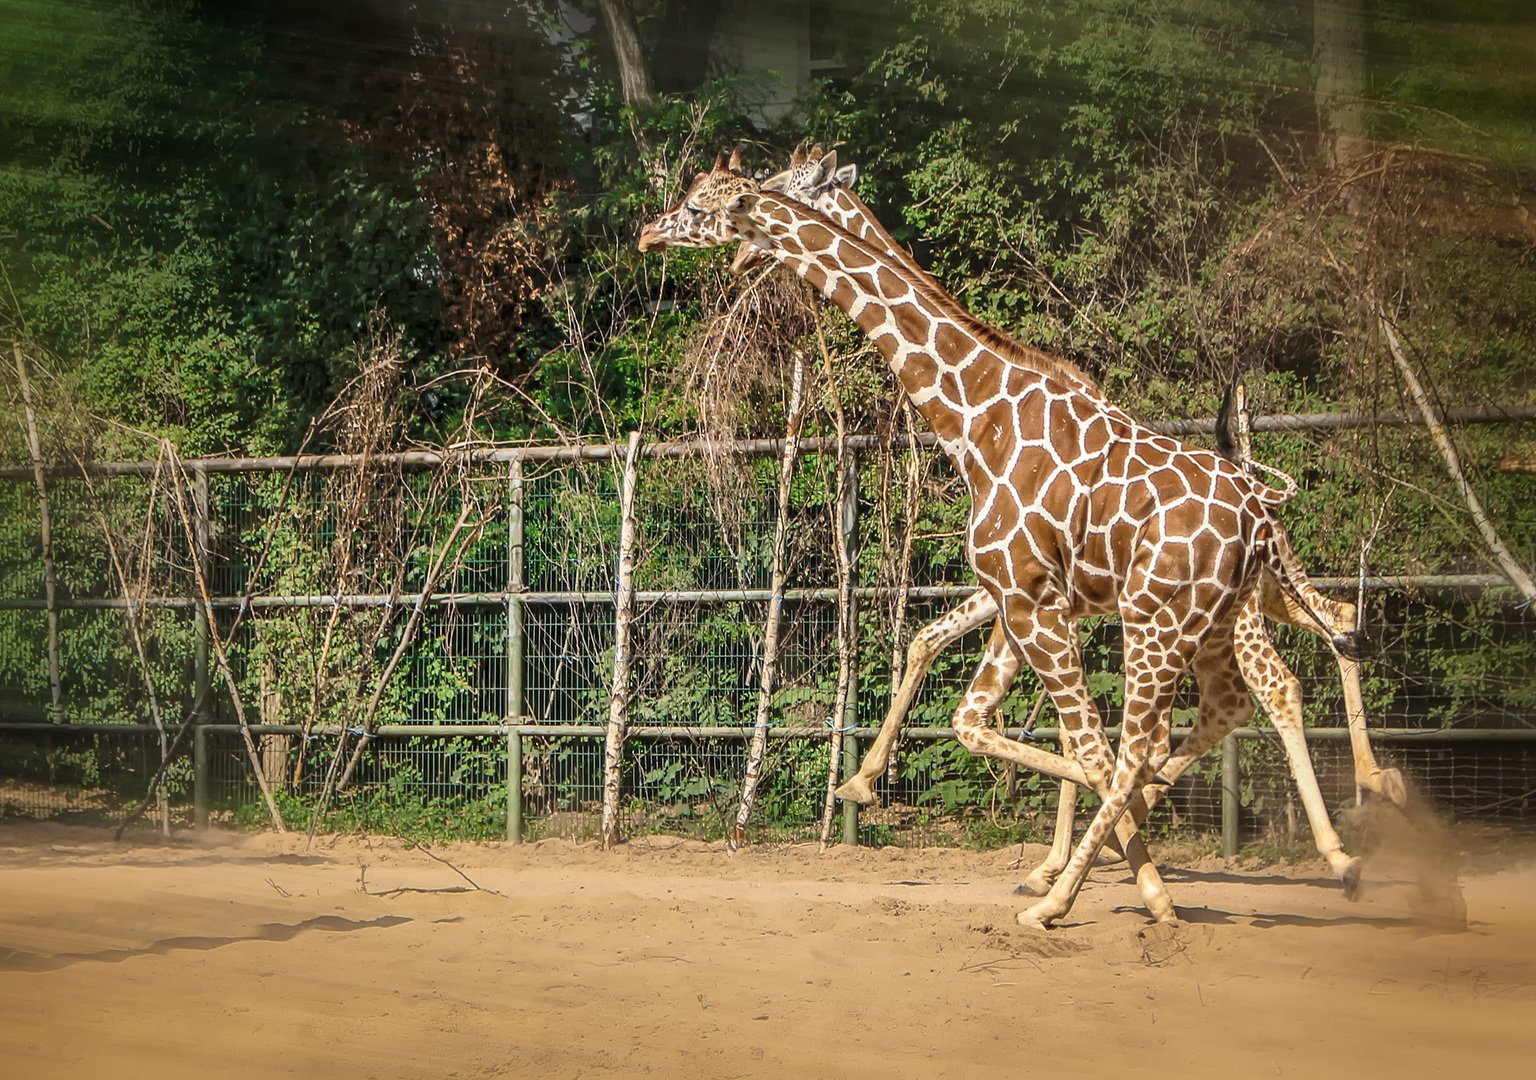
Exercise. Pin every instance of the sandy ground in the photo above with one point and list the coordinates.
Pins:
(248, 956)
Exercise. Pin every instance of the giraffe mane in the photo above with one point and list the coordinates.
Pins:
(999, 341)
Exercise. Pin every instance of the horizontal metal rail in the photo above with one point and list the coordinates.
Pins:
(652, 596)
(578, 452)
(589, 731)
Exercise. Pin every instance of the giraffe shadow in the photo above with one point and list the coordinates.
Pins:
(1209, 916)
(236, 860)
(12, 959)
(1224, 877)
(76, 860)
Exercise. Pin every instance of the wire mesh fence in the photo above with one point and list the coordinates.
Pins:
(329, 626)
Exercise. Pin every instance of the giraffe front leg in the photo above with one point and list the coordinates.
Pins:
(972, 721)
(1050, 642)
(926, 645)
(1153, 667)
(1110, 818)
(1039, 880)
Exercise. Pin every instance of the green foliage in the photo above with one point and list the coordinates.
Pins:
(200, 220)
(387, 812)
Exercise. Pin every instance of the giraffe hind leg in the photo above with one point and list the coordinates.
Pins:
(1279, 693)
(1342, 620)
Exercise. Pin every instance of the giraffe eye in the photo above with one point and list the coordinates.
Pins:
(694, 210)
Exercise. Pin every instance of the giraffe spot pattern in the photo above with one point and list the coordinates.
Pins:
(1077, 509)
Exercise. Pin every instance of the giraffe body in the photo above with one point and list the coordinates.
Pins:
(815, 179)
(1076, 510)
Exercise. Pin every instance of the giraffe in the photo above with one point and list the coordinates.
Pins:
(814, 178)
(1076, 510)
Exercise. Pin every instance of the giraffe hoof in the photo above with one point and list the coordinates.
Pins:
(1390, 785)
(1037, 884)
(1032, 922)
(1040, 916)
(1352, 646)
(1351, 879)
(857, 790)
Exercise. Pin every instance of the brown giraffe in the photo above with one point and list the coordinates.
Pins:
(814, 178)
(1075, 510)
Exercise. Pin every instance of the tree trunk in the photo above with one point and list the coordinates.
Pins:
(768, 671)
(635, 80)
(1338, 44)
(623, 651)
(1505, 559)
(274, 748)
(682, 47)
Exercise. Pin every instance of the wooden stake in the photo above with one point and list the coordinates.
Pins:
(1501, 554)
(845, 521)
(179, 484)
(847, 518)
(904, 585)
(45, 528)
(623, 658)
(768, 670)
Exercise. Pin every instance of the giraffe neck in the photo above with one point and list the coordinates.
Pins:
(854, 215)
(947, 369)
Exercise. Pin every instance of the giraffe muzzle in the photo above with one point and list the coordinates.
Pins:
(651, 239)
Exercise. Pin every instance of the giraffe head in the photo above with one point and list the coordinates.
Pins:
(702, 218)
(813, 178)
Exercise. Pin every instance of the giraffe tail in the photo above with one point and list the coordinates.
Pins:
(1226, 446)
(1282, 564)
(1272, 496)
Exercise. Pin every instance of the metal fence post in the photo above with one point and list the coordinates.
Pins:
(202, 684)
(516, 585)
(45, 534)
(200, 777)
(514, 786)
(849, 522)
(1231, 794)
(850, 809)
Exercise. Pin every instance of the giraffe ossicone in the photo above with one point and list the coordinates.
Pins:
(1076, 510)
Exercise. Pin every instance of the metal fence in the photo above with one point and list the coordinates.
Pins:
(490, 725)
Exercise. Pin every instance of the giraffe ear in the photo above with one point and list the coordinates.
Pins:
(828, 174)
(778, 181)
(847, 176)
